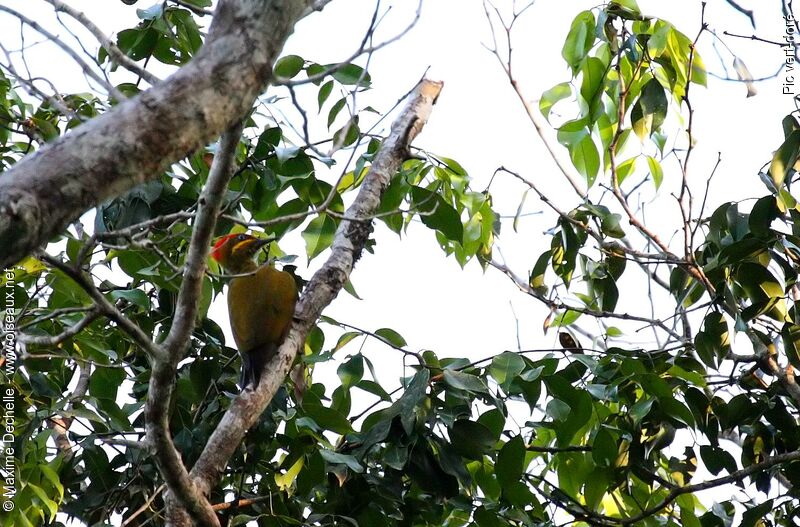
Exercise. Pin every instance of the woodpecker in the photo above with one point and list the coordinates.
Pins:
(260, 304)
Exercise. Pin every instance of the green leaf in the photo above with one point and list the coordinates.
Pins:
(713, 341)
(494, 420)
(344, 339)
(593, 71)
(470, 439)
(625, 169)
(134, 296)
(754, 516)
(392, 336)
(324, 93)
(585, 158)
(436, 214)
(486, 518)
(677, 410)
(640, 410)
(763, 289)
(105, 382)
(653, 384)
(764, 212)
(579, 40)
(610, 225)
(337, 458)
(536, 279)
(609, 294)
(374, 388)
(785, 158)
(790, 334)
(347, 134)
(43, 498)
(327, 418)
(566, 318)
(350, 289)
(289, 66)
(628, 5)
(335, 109)
(351, 371)
(350, 74)
(319, 235)
(656, 171)
(699, 75)
(510, 463)
(604, 448)
(650, 110)
(152, 12)
(52, 476)
(267, 142)
(716, 459)
(465, 381)
(552, 96)
(506, 367)
(579, 407)
(519, 209)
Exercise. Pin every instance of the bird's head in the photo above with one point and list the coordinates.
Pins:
(235, 252)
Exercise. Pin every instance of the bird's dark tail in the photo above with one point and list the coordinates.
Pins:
(253, 363)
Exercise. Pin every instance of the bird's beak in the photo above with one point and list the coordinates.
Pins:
(258, 243)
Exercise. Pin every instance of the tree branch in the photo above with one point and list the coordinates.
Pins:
(71, 331)
(106, 308)
(86, 68)
(162, 378)
(113, 51)
(326, 283)
(136, 140)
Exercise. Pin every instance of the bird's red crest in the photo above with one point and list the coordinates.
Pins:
(216, 251)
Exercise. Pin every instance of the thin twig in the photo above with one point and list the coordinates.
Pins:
(113, 51)
(88, 70)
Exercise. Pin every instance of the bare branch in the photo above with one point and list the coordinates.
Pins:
(113, 51)
(524, 287)
(54, 314)
(532, 113)
(146, 505)
(245, 502)
(87, 69)
(55, 100)
(746, 12)
(363, 49)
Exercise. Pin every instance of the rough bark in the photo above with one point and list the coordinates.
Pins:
(136, 140)
(181, 488)
(326, 283)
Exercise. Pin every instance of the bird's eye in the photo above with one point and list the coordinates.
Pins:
(241, 237)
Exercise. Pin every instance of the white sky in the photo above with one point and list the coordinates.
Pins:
(409, 284)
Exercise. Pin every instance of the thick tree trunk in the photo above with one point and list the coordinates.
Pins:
(136, 140)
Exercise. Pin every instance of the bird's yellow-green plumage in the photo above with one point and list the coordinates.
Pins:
(260, 304)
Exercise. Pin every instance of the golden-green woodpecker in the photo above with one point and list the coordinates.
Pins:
(260, 304)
